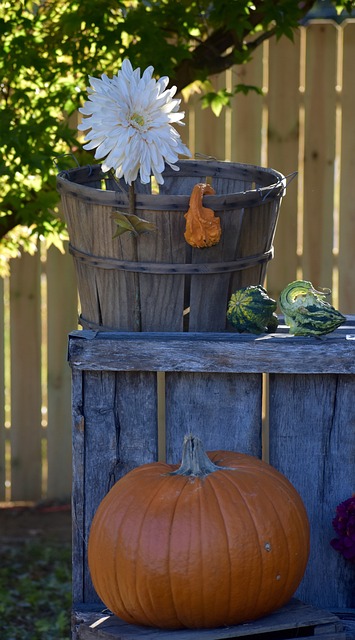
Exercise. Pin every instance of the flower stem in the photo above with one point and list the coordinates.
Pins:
(137, 304)
(131, 199)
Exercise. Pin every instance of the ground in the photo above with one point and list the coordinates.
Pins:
(44, 521)
(35, 571)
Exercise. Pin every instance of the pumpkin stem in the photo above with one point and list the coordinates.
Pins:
(195, 461)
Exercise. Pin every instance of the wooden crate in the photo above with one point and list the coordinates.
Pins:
(214, 386)
(295, 620)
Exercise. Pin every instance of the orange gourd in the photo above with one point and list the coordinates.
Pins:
(203, 228)
(221, 540)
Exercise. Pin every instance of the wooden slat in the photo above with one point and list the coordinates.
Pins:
(223, 352)
(185, 132)
(246, 116)
(101, 451)
(347, 182)
(115, 429)
(26, 430)
(223, 411)
(91, 230)
(320, 103)
(312, 420)
(2, 394)
(161, 298)
(209, 129)
(78, 487)
(284, 623)
(283, 101)
(62, 301)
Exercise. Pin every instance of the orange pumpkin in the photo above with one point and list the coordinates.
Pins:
(221, 540)
(203, 228)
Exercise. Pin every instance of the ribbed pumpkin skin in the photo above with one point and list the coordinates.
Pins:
(176, 551)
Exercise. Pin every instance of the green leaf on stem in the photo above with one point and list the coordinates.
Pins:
(130, 222)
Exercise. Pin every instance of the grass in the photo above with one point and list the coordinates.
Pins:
(35, 591)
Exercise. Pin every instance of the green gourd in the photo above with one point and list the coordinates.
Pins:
(251, 310)
(306, 312)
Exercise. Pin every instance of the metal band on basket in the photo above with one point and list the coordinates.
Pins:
(171, 268)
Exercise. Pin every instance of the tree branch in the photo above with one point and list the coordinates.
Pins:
(207, 59)
(211, 58)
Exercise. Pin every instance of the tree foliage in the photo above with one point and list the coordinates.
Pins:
(49, 47)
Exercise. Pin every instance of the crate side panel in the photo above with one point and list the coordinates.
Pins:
(312, 422)
(223, 410)
(220, 352)
(120, 433)
(78, 488)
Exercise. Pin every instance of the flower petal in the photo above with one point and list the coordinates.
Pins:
(128, 120)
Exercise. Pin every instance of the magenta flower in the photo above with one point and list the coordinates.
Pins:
(344, 526)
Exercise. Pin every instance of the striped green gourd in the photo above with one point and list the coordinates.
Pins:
(251, 310)
(306, 312)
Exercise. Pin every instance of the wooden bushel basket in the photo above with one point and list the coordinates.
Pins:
(156, 281)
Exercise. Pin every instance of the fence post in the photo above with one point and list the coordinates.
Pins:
(62, 306)
(26, 430)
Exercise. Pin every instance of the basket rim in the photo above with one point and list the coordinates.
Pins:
(69, 182)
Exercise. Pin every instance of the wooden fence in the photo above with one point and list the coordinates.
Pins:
(304, 123)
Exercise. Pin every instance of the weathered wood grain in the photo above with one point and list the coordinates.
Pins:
(115, 429)
(115, 294)
(213, 388)
(78, 487)
(312, 427)
(294, 616)
(222, 352)
(224, 411)
(161, 297)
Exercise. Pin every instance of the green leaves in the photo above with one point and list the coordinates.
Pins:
(132, 223)
(246, 88)
(219, 99)
(50, 47)
(35, 591)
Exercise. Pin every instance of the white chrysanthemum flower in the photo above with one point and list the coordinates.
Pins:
(130, 119)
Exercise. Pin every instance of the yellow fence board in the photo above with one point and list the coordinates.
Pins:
(62, 318)
(319, 155)
(347, 177)
(247, 111)
(209, 130)
(2, 396)
(283, 103)
(26, 430)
